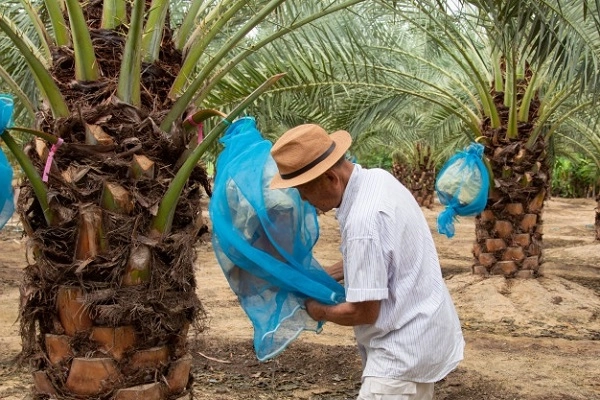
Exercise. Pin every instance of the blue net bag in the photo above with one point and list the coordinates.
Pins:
(7, 206)
(462, 186)
(263, 241)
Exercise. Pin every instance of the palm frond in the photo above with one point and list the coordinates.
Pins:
(45, 83)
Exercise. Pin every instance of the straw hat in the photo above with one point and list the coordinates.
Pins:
(305, 152)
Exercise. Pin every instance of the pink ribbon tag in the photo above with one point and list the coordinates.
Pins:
(53, 149)
(200, 128)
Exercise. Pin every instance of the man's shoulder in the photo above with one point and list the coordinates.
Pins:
(377, 182)
(376, 171)
(376, 176)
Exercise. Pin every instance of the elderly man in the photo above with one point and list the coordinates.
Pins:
(405, 323)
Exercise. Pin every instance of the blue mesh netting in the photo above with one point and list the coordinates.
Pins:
(462, 186)
(7, 206)
(263, 240)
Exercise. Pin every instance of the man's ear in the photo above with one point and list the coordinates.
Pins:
(332, 176)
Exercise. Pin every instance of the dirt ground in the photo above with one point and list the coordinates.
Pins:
(530, 340)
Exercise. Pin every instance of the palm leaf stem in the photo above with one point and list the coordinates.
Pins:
(527, 97)
(186, 97)
(490, 170)
(498, 78)
(39, 188)
(197, 47)
(557, 123)
(547, 111)
(512, 129)
(24, 39)
(202, 115)
(114, 13)
(55, 12)
(195, 120)
(39, 27)
(243, 55)
(559, 96)
(128, 87)
(86, 66)
(42, 135)
(161, 223)
(188, 23)
(219, 16)
(153, 31)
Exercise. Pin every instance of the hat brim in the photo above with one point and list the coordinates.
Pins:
(342, 140)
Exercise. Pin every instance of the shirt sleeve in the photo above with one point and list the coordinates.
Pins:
(365, 273)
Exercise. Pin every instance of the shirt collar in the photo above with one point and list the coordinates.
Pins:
(349, 194)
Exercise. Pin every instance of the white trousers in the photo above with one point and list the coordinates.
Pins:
(374, 388)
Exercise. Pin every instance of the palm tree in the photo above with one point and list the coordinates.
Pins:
(539, 60)
(507, 74)
(582, 138)
(415, 166)
(111, 204)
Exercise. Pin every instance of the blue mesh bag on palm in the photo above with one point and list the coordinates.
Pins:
(7, 206)
(462, 186)
(263, 241)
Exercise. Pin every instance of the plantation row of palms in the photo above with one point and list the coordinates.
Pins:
(123, 99)
(507, 77)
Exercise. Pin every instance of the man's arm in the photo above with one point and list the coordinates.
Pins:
(336, 271)
(348, 314)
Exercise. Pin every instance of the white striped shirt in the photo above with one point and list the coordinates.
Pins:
(389, 255)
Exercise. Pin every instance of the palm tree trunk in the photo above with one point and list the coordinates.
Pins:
(418, 175)
(509, 231)
(106, 308)
(423, 179)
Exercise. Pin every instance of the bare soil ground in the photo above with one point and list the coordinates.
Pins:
(528, 339)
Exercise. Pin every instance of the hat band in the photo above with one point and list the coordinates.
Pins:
(309, 165)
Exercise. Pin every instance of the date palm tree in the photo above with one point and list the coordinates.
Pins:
(131, 96)
(415, 167)
(584, 139)
(532, 71)
(506, 74)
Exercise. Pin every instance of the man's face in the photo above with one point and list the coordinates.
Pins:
(321, 193)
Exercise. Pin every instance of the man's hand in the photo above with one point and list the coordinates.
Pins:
(347, 314)
(315, 310)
